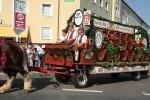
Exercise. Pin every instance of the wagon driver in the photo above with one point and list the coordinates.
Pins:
(71, 35)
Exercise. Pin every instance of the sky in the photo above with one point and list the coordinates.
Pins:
(142, 8)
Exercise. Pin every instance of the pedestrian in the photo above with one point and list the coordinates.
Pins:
(41, 53)
(36, 60)
(30, 55)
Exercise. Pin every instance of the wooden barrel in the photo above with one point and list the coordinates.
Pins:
(130, 38)
(130, 46)
(131, 56)
(124, 55)
(101, 54)
(124, 45)
(124, 37)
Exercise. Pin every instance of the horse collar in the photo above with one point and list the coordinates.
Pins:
(3, 57)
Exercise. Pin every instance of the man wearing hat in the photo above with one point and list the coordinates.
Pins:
(71, 35)
(79, 42)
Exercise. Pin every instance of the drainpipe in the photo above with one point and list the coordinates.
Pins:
(58, 19)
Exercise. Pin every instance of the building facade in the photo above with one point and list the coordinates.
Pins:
(130, 17)
(46, 18)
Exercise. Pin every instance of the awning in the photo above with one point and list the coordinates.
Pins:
(6, 31)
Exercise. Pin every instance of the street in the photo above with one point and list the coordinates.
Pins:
(102, 87)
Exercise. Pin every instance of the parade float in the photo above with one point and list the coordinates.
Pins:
(111, 47)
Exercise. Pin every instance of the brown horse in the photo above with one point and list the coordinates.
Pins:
(16, 62)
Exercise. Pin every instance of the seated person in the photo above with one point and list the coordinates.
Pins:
(71, 35)
(79, 42)
(64, 33)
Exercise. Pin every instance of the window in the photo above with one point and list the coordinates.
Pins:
(117, 12)
(106, 6)
(0, 6)
(85, 9)
(46, 33)
(118, 1)
(101, 3)
(127, 18)
(123, 21)
(47, 9)
(123, 9)
(93, 13)
(94, 1)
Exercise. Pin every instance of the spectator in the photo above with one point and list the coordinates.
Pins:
(30, 55)
(41, 54)
(36, 60)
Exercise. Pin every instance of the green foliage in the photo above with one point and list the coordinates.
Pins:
(139, 52)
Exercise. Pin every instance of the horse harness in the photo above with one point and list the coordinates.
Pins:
(3, 57)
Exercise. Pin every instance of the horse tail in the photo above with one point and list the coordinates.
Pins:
(24, 60)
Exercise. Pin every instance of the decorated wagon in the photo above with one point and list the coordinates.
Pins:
(111, 47)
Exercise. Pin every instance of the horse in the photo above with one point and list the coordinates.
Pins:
(16, 63)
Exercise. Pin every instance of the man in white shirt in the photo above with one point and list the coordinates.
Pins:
(79, 42)
(64, 33)
(71, 35)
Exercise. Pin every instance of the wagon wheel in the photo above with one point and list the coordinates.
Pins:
(80, 80)
(136, 76)
(62, 78)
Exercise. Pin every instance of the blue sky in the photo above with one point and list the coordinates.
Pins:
(141, 7)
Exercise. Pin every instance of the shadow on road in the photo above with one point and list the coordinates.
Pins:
(37, 84)
(107, 79)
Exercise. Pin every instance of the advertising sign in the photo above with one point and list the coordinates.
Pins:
(20, 21)
(67, 1)
(86, 19)
(98, 38)
(110, 26)
(19, 16)
(78, 17)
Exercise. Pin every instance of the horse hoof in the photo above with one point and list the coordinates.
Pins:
(26, 91)
(1, 91)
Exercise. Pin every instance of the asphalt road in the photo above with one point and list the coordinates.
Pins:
(105, 88)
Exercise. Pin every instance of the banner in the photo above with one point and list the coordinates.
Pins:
(114, 27)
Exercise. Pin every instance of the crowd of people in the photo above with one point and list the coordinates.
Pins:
(35, 54)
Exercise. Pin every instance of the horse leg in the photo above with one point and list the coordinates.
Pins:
(6, 87)
(27, 81)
